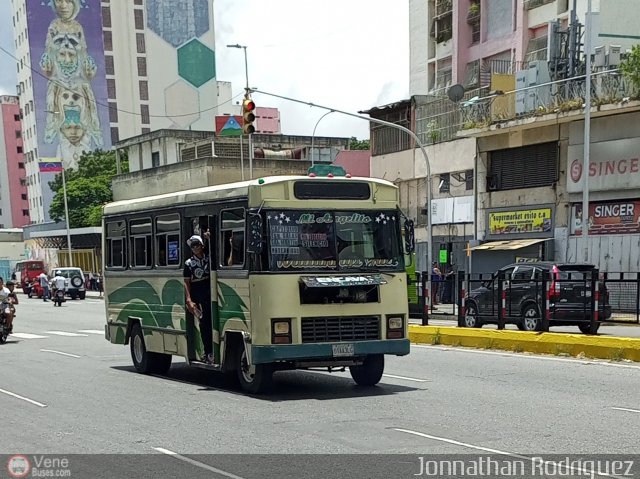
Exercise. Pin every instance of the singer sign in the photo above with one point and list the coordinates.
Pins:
(613, 165)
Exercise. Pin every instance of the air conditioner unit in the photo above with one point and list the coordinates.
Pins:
(493, 183)
(614, 56)
(599, 58)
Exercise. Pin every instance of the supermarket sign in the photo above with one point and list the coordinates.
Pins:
(539, 220)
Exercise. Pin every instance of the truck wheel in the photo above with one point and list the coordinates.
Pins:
(82, 294)
(586, 328)
(253, 378)
(144, 361)
(370, 372)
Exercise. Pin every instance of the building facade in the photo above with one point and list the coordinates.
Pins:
(14, 204)
(507, 146)
(93, 71)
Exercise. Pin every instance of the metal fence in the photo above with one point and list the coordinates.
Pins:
(585, 299)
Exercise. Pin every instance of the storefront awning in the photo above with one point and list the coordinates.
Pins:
(509, 245)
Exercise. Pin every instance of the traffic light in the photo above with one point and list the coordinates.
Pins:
(248, 116)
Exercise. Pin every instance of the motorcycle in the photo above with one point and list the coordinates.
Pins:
(58, 297)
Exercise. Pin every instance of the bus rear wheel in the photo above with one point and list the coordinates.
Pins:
(370, 372)
(144, 361)
(253, 378)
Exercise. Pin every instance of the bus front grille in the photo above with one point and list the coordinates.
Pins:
(357, 328)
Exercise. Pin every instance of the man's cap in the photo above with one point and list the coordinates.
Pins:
(195, 239)
(11, 282)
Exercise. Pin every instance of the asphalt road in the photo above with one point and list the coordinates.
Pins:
(65, 390)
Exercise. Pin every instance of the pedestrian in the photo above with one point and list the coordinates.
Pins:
(197, 281)
(436, 277)
(99, 285)
(44, 283)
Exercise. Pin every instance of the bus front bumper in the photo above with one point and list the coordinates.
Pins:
(325, 351)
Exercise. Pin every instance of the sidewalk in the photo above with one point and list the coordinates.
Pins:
(94, 295)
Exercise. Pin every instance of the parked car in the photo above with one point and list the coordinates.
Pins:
(569, 297)
(74, 282)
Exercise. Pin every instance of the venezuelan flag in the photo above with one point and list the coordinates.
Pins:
(50, 165)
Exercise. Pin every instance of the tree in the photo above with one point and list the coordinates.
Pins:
(88, 189)
(356, 144)
(631, 67)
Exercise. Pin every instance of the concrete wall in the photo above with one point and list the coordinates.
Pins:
(198, 173)
(526, 197)
(617, 28)
(418, 47)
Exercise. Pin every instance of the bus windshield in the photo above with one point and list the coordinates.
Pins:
(340, 240)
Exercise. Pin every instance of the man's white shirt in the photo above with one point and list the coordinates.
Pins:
(59, 282)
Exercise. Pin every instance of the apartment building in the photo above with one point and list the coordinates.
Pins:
(92, 72)
(511, 137)
(14, 205)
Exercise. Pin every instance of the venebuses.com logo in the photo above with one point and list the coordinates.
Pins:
(18, 466)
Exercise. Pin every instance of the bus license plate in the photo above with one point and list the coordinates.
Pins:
(343, 350)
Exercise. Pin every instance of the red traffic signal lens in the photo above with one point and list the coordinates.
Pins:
(249, 105)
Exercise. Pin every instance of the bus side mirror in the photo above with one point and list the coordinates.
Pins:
(254, 244)
(409, 236)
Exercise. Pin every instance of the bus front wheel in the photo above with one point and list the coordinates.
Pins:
(370, 372)
(253, 378)
(144, 361)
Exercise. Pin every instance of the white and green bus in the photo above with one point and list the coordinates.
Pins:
(317, 277)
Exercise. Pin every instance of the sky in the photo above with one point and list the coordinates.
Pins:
(347, 54)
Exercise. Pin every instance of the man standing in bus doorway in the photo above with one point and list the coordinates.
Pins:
(197, 280)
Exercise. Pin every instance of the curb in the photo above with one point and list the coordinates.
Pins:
(613, 348)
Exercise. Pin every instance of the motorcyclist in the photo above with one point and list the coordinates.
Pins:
(7, 308)
(58, 282)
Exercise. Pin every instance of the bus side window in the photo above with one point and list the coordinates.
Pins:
(233, 241)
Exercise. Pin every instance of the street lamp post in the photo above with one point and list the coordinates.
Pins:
(424, 155)
(587, 135)
(66, 213)
(313, 136)
(247, 90)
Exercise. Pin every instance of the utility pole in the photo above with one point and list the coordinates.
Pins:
(587, 135)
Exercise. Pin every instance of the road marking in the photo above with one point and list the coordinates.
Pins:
(539, 460)
(625, 409)
(197, 463)
(65, 333)
(91, 331)
(59, 352)
(27, 336)
(528, 356)
(9, 393)
(405, 378)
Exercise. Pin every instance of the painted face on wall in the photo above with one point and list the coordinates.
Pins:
(67, 57)
(65, 9)
(72, 132)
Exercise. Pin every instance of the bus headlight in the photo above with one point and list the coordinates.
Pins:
(395, 322)
(281, 331)
(395, 327)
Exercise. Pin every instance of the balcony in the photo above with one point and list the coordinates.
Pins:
(443, 7)
(531, 4)
(546, 104)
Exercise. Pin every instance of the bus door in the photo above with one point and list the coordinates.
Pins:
(199, 224)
